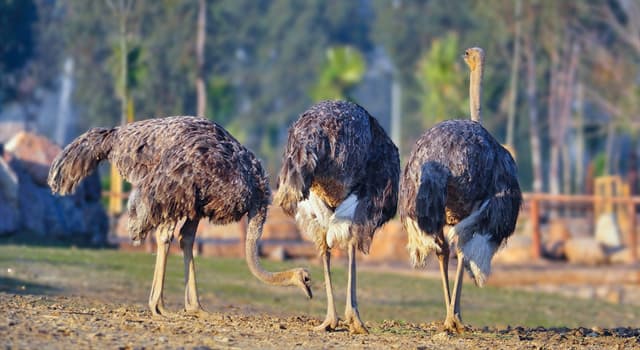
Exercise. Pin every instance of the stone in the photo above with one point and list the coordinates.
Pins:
(280, 226)
(585, 250)
(35, 152)
(516, 250)
(554, 245)
(27, 205)
(8, 183)
(279, 253)
(608, 231)
(389, 244)
(622, 255)
(9, 214)
(9, 218)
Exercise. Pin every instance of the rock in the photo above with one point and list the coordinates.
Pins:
(32, 208)
(607, 231)
(35, 152)
(558, 231)
(516, 250)
(33, 199)
(9, 214)
(8, 183)
(208, 230)
(280, 226)
(584, 250)
(621, 256)
(9, 217)
(278, 254)
(389, 244)
(554, 246)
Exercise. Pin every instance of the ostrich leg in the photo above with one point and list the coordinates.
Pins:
(351, 315)
(163, 240)
(453, 322)
(443, 261)
(187, 238)
(331, 321)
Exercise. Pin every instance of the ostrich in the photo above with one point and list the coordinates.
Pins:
(459, 175)
(181, 168)
(339, 177)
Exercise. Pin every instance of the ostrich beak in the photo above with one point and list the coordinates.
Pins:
(307, 288)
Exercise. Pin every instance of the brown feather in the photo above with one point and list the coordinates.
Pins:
(334, 149)
(181, 167)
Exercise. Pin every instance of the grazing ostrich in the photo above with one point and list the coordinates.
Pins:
(459, 175)
(339, 178)
(181, 168)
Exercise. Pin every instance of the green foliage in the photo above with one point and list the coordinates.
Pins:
(266, 61)
(17, 43)
(137, 70)
(600, 165)
(441, 75)
(221, 100)
(343, 69)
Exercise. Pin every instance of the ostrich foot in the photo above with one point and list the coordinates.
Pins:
(355, 323)
(197, 311)
(330, 323)
(158, 310)
(453, 324)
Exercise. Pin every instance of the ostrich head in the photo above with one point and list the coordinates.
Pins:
(474, 58)
(300, 277)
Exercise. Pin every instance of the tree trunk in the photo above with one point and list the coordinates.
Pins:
(554, 128)
(534, 133)
(515, 69)
(200, 41)
(567, 169)
(608, 166)
(633, 167)
(579, 183)
(396, 111)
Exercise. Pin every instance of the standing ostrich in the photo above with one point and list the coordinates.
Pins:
(181, 168)
(339, 177)
(459, 175)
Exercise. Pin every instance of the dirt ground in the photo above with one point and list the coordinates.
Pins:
(97, 321)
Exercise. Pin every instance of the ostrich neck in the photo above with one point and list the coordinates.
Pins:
(254, 232)
(475, 93)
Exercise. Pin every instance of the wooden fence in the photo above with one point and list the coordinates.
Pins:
(533, 200)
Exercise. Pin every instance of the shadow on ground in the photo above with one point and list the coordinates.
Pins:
(18, 286)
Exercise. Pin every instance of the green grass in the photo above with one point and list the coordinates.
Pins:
(222, 281)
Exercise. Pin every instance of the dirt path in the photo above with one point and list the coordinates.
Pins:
(66, 321)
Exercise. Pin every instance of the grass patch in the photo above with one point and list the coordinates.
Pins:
(223, 281)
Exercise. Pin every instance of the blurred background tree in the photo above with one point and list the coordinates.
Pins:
(441, 76)
(343, 69)
(562, 88)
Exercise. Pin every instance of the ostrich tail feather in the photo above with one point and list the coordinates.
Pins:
(79, 159)
(475, 244)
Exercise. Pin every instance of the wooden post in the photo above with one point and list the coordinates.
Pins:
(115, 192)
(535, 228)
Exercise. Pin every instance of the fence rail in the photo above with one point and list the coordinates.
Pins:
(533, 200)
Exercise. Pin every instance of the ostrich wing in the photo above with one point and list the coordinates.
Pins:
(378, 191)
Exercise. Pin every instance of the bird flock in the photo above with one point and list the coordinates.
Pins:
(340, 179)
